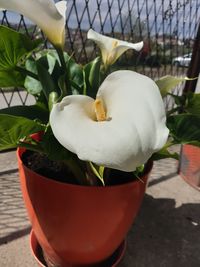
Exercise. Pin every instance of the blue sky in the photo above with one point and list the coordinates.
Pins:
(184, 22)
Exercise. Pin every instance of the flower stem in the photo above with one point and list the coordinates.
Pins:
(27, 72)
(65, 70)
(77, 171)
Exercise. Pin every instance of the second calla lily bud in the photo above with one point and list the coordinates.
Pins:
(121, 129)
(111, 48)
(50, 17)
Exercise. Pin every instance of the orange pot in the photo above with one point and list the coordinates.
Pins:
(189, 165)
(79, 225)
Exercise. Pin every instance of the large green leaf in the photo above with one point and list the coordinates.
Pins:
(33, 112)
(168, 83)
(14, 128)
(14, 46)
(11, 78)
(185, 128)
(52, 148)
(33, 86)
(49, 85)
(47, 67)
(193, 104)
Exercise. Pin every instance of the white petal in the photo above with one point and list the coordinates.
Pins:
(48, 16)
(135, 130)
(111, 48)
(123, 47)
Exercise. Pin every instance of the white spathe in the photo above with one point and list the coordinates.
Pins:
(134, 129)
(111, 48)
(50, 17)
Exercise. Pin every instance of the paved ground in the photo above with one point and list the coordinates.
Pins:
(166, 232)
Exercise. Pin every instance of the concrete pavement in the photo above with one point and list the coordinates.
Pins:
(166, 232)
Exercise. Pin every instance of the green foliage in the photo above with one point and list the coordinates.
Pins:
(193, 104)
(33, 86)
(184, 128)
(33, 112)
(52, 148)
(98, 171)
(163, 154)
(75, 71)
(168, 83)
(49, 86)
(14, 47)
(92, 77)
(13, 129)
(186, 103)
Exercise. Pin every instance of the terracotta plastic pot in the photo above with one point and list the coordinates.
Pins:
(189, 165)
(79, 225)
(113, 261)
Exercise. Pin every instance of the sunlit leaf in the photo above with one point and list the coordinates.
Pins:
(168, 83)
(14, 128)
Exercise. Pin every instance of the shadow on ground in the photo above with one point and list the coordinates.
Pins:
(15, 235)
(164, 236)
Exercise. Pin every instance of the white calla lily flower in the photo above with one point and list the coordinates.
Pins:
(131, 128)
(111, 48)
(50, 17)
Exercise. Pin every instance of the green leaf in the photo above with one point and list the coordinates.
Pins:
(164, 154)
(98, 173)
(92, 77)
(187, 103)
(33, 112)
(52, 148)
(75, 71)
(11, 78)
(185, 128)
(167, 83)
(76, 76)
(14, 128)
(49, 86)
(179, 99)
(14, 46)
(193, 104)
(33, 86)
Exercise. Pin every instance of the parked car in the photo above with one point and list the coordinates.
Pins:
(182, 60)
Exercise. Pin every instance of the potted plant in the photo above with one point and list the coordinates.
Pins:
(187, 110)
(189, 163)
(86, 147)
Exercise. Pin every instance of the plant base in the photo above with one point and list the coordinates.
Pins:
(112, 261)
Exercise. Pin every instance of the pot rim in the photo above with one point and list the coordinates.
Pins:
(21, 150)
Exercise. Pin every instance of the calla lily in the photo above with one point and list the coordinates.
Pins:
(111, 48)
(50, 17)
(133, 127)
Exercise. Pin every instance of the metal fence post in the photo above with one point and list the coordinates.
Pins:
(194, 67)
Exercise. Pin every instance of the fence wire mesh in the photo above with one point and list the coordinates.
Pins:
(167, 27)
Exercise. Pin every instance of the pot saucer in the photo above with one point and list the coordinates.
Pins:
(112, 261)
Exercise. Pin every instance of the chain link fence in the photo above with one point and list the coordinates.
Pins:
(167, 27)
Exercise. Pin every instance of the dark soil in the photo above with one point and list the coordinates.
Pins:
(41, 164)
(57, 170)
